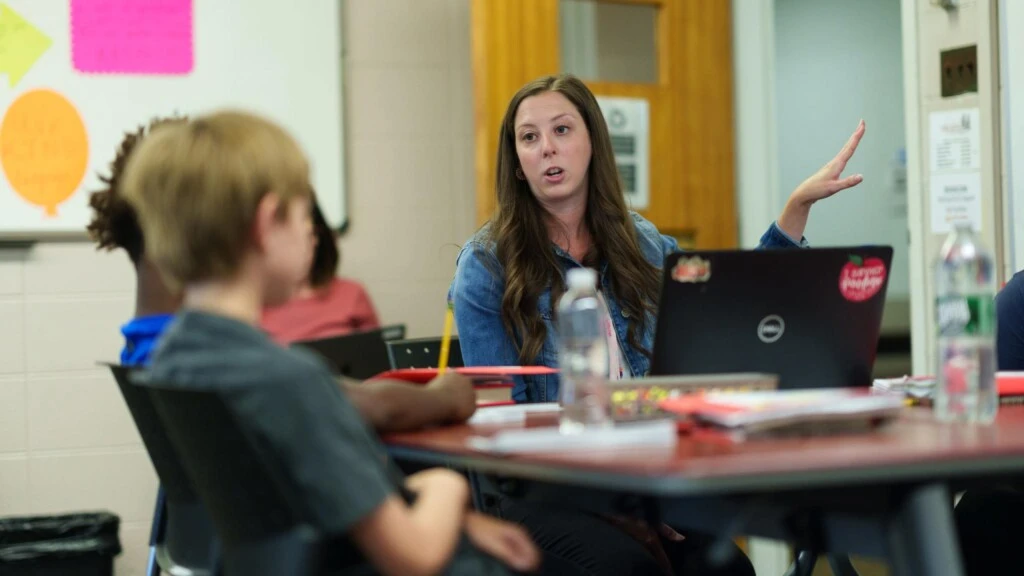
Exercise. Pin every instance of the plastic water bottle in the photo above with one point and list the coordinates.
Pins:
(583, 353)
(966, 323)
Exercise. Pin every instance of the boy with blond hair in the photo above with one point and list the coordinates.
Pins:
(388, 405)
(224, 203)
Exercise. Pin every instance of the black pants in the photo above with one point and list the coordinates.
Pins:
(580, 544)
(990, 525)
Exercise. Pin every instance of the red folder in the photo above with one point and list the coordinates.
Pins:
(492, 383)
(478, 374)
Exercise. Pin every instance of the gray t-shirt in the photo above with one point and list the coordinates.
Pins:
(336, 467)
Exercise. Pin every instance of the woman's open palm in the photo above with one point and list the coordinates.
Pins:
(827, 181)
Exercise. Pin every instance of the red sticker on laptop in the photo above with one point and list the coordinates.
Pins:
(861, 278)
(691, 269)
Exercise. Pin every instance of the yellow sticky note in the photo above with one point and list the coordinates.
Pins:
(21, 44)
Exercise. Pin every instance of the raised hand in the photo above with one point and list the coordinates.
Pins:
(822, 184)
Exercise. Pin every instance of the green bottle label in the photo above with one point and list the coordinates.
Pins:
(966, 315)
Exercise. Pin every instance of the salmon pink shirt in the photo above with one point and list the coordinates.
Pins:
(341, 307)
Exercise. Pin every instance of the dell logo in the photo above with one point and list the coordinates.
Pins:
(770, 329)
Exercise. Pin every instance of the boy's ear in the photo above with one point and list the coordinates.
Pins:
(267, 214)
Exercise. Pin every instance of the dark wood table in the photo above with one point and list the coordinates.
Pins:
(885, 494)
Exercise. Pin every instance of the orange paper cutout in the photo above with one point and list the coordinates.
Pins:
(44, 149)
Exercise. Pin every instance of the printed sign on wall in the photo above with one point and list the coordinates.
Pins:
(628, 122)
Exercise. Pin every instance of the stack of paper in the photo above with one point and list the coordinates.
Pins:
(790, 411)
(919, 389)
(511, 413)
(658, 434)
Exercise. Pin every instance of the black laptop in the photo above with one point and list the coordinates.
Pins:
(360, 355)
(811, 316)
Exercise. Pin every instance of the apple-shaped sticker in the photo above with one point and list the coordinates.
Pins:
(861, 278)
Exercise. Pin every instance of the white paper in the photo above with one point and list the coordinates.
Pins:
(955, 140)
(628, 121)
(629, 436)
(955, 198)
(511, 412)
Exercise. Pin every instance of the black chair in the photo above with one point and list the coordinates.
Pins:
(360, 355)
(422, 353)
(182, 539)
(259, 530)
(803, 564)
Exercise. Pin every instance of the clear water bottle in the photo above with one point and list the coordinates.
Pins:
(583, 353)
(966, 322)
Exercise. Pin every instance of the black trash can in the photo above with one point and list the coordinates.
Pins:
(70, 545)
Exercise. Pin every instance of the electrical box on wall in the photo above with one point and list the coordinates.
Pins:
(959, 71)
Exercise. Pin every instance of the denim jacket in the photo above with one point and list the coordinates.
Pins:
(476, 292)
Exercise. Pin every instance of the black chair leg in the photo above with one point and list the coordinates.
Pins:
(156, 533)
(803, 565)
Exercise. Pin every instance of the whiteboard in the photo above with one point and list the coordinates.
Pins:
(1011, 16)
(281, 60)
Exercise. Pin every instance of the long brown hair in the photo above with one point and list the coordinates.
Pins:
(326, 255)
(523, 244)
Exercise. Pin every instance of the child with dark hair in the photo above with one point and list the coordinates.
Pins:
(114, 226)
(325, 305)
(389, 406)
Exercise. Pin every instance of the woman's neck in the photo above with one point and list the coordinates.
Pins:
(567, 227)
(307, 291)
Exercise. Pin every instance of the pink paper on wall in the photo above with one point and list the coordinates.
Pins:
(132, 36)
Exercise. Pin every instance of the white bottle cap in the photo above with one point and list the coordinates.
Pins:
(578, 278)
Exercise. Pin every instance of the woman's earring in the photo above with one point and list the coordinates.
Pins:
(519, 174)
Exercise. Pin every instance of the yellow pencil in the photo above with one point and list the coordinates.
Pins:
(446, 338)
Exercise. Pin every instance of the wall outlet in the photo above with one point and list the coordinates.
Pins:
(959, 70)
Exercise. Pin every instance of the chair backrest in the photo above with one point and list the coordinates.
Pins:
(187, 539)
(240, 490)
(165, 459)
(360, 355)
(262, 535)
(422, 353)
